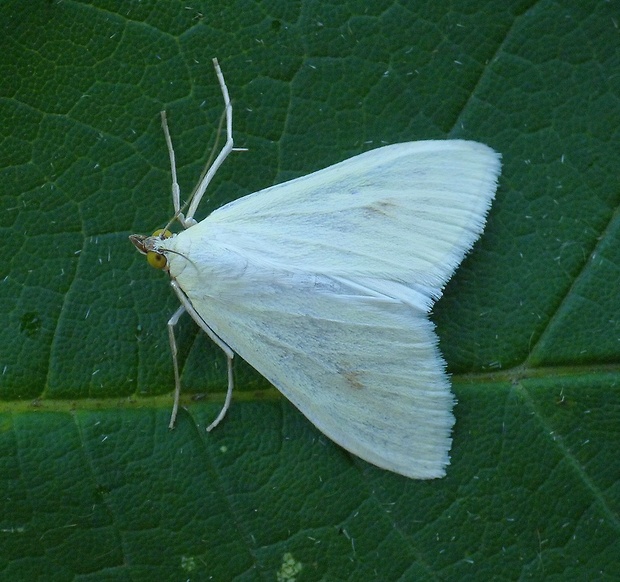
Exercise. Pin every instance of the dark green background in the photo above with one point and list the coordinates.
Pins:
(92, 484)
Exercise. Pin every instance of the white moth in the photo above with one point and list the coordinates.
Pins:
(324, 285)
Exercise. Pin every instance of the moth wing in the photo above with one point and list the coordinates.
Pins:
(407, 212)
(363, 367)
(323, 284)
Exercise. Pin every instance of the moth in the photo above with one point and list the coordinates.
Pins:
(324, 285)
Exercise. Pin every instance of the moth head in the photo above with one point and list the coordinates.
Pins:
(151, 245)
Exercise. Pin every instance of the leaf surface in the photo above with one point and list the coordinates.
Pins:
(94, 486)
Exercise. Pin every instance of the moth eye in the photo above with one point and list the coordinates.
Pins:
(162, 233)
(156, 260)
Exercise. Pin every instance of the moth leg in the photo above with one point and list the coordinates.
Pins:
(228, 147)
(186, 305)
(176, 190)
(188, 220)
(175, 363)
(226, 406)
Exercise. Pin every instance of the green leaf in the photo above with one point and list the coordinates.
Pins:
(93, 486)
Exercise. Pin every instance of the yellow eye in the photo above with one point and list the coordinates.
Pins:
(156, 260)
